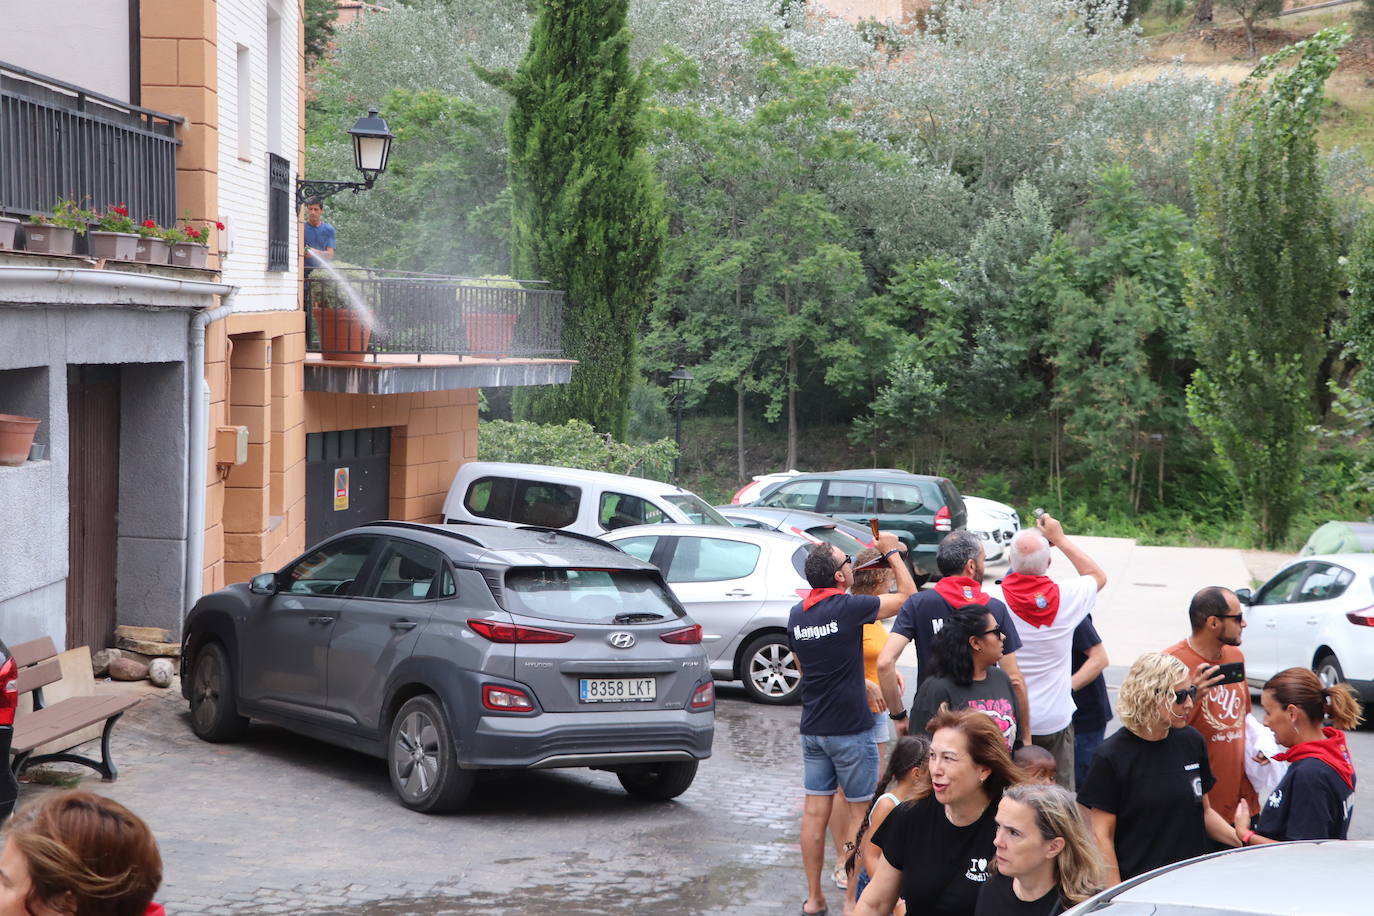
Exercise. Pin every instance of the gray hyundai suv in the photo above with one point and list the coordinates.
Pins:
(457, 648)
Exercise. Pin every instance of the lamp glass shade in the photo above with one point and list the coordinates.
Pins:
(371, 143)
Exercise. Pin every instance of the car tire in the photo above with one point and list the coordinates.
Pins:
(423, 761)
(214, 704)
(658, 781)
(1329, 671)
(769, 671)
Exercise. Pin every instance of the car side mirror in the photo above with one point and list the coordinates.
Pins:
(1245, 596)
(263, 584)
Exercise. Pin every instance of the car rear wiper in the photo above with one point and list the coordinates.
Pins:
(637, 618)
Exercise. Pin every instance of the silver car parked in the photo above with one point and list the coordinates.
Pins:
(448, 649)
(739, 584)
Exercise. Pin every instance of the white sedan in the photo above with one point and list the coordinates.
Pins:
(995, 523)
(1317, 612)
(739, 584)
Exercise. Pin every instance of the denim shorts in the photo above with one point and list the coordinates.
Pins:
(882, 730)
(835, 761)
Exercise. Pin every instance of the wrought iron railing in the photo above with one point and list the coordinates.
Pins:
(356, 311)
(60, 141)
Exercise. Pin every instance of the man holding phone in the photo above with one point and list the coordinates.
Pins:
(1213, 656)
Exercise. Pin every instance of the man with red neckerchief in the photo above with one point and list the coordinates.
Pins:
(1046, 614)
(960, 562)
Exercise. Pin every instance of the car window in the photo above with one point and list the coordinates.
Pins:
(525, 502)
(1324, 582)
(407, 572)
(332, 569)
(740, 522)
(898, 499)
(712, 560)
(1281, 588)
(832, 535)
(803, 494)
(847, 497)
(639, 548)
(587, 595)
(696, 509)
(621, 510)
(799, 560)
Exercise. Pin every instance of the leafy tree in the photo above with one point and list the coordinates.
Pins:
(587, 213)
(319, 29)
(1250, 11)
(1265, 278)
(574, 444)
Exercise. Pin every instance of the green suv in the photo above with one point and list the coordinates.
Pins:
(918, 508)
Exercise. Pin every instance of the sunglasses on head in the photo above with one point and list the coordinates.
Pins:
(1183, 696)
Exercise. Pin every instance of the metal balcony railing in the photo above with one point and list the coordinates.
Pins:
(60, 141)
(356, 311)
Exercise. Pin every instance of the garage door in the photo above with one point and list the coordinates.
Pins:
(347, 480)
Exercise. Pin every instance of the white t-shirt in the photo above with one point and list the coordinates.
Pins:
(1044, 656)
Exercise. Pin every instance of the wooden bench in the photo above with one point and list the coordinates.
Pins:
(38, 667)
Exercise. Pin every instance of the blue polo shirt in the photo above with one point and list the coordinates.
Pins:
(321, 237)
(829, 644)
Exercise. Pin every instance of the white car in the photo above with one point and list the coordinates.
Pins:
(739, 584)
(753, 490)
(995, 523)
(1316, 612)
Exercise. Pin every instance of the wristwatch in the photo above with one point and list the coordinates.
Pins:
(897, 716)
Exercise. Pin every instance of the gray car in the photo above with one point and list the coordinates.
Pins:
(448, 649)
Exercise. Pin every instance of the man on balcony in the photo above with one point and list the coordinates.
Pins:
(319, 235)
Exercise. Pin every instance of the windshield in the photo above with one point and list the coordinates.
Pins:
(697, 510)
(832, 535)
(589, 595)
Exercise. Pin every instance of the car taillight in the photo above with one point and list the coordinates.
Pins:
(735, 500)
(506, 699)
(513, 633)
(687, 636)
(704, 697)
(1362, 618)
(9, 691)
(942, 520)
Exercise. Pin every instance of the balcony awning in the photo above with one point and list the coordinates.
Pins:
(399, 374)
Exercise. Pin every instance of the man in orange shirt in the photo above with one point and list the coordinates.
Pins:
(1220, 710)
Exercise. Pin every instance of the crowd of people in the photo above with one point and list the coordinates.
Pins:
(1002, 794)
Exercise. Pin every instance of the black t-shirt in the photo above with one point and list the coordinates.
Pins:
(998, 898)
(1311, 802)
(924, 613)
(992, 695)
(1094, 709)
(829, 645)
(1155, 789)
(942, 865)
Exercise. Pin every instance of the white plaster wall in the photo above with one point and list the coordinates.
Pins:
(38, 36)
(243, 182)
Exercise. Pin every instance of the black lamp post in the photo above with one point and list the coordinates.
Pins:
(371, 149)
(680, 379)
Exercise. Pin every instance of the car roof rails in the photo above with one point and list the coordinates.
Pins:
(563, 532)
(422, 526)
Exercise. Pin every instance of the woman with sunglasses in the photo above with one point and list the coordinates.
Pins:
(1316, 797)
(1146, 788)
(964, 661)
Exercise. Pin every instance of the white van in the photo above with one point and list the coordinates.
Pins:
(588, 502)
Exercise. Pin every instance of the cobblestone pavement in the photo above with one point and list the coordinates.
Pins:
(283, 824)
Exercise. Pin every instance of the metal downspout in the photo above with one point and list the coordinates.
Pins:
(198, 401)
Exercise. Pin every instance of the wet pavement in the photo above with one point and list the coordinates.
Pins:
(283, 824)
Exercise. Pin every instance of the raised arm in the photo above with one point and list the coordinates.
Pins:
(895, 552)
(1085, 565)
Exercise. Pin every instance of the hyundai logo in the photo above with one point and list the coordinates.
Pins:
(621, 640)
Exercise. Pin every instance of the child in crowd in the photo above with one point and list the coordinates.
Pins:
(1037, 762)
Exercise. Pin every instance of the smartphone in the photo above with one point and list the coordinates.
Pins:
(1233, 673)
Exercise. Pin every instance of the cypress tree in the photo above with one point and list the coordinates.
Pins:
(587, 210)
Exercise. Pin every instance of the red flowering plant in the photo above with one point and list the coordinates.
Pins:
(116, 219)
(149, 229)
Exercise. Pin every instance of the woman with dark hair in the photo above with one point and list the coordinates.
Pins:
(904, 780)
(78, 854)
(1316, 797)
(964, 661)
(936, 850)
(1046, 860)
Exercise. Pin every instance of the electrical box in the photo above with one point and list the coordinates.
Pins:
(231, 445)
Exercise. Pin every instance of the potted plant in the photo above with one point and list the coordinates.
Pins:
(115, 238)
(16, 438)
(152, 243)
(193, 251)
(8, 227)
(57, 234)
(341, 318)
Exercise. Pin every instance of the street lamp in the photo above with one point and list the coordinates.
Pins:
(371, 149)
(680, 379)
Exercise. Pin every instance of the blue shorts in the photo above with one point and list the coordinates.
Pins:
(835, 761)
(882, 729)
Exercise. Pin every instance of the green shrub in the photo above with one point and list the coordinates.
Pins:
(574, 444)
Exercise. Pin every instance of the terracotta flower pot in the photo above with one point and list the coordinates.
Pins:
(152, 251)
(188, 254)
(115, 246)
(344, 335)
(489, 334)
(48, 239)
(16, 438)
(8, 227)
